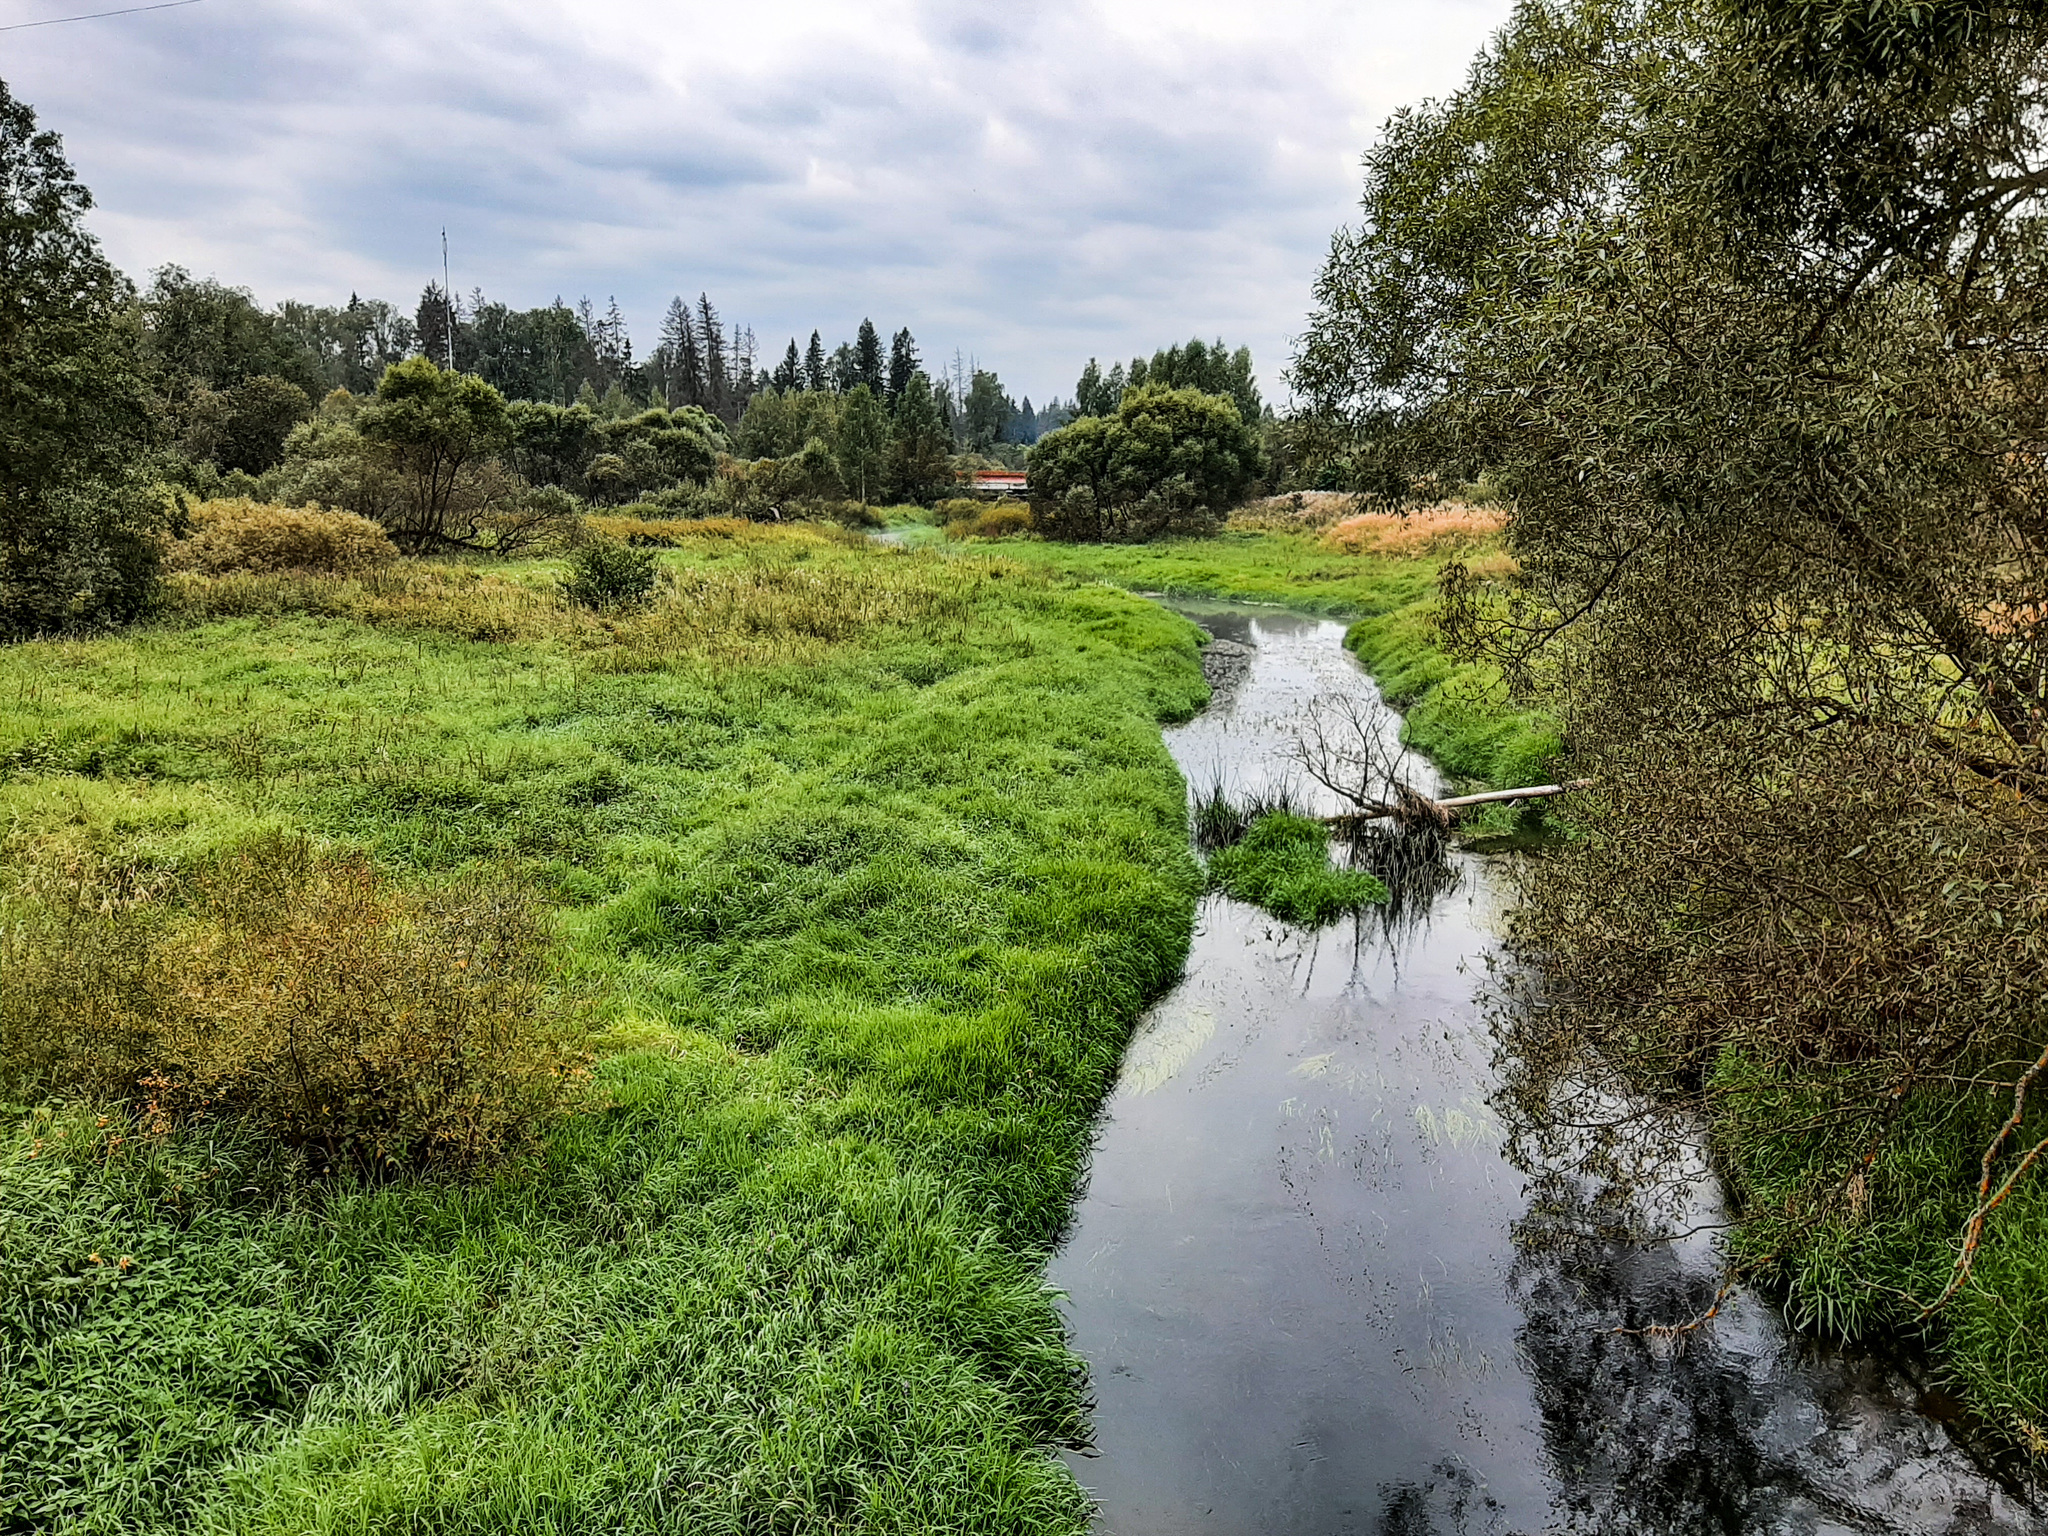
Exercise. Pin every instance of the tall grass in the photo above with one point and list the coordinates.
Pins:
(870, 859)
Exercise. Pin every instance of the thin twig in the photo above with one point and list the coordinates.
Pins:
(1973, 1232)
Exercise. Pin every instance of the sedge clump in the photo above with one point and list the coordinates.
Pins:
(1282, 864)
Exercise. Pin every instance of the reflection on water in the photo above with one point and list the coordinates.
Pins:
(1297, 1276)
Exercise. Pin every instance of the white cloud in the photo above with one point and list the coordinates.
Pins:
(1030, 184)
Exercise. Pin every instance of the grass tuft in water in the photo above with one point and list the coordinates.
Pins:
(1221, 819)
(1282, 863)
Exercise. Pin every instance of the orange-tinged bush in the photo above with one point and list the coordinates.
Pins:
(1446, 528)
(236, 534)
(299, 990)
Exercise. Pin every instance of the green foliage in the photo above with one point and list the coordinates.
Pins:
(78, 523)
(551, 444)
(862, 444)
(205, 337)
(778, 423)
(875, 868)
(867, 361)
(437, 428)
(327, 462)
(920, 467)
(243, 427)
(1209, 367)
(986, 412)
(1282, 863)
(1168, 461)
(605, 574)
(651, 451)
(1737, 303)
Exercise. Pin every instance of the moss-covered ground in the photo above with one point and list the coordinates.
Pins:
(867, 861)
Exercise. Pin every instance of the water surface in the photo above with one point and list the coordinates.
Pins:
(1295, 1270)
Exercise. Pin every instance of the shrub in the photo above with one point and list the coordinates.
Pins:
(236, 534)
(992, 520)
(297, 990)
(605, 574)
(851, 514)
(958, 509)
(1445, 528)
(1283, 864)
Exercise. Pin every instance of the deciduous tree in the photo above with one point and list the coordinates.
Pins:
(78, 521)
(863, 442)
(1169, 460)
(437, 427)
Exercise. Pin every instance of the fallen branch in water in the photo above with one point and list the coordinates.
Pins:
(1409, 806)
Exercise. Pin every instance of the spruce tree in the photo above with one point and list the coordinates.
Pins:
(679, 335)
(789, 375)
(711, 339)
(902, 365)
(815, 378)
(921, 452)
(867, 359)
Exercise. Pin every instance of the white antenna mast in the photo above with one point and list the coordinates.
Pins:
(448, 298)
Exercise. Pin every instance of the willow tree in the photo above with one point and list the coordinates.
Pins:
(1743, 305)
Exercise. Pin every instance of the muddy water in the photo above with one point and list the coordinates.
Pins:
(1297, 1278)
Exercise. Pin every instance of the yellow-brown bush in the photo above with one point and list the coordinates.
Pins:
(958, 509)
(236, 534)
(298, 990)
(1445, 528)
(992, 520)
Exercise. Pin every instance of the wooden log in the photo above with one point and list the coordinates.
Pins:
(1415, 807)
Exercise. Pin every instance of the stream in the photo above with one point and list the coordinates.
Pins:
(1300, 1276)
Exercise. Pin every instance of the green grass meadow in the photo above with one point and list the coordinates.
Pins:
(865, 861)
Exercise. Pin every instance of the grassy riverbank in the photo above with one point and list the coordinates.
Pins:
(865, 861)
(1845, 1265)
(1455, 711)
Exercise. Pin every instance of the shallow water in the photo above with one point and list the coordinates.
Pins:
(1295, 1276)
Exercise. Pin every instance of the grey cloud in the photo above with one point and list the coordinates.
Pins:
(1026, 183)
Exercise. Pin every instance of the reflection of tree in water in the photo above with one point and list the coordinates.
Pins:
(1724, 1429)
(1416, 866)
(1451, 1503)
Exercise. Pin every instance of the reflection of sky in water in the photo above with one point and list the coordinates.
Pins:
(1245, 739)
(1293, 1275)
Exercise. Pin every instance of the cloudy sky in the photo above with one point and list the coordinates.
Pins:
(1029, 183)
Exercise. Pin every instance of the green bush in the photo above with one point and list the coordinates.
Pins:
(1283, 865)
(605, 574)
(1168, 461)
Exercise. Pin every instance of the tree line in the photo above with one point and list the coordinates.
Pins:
(472, 425)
